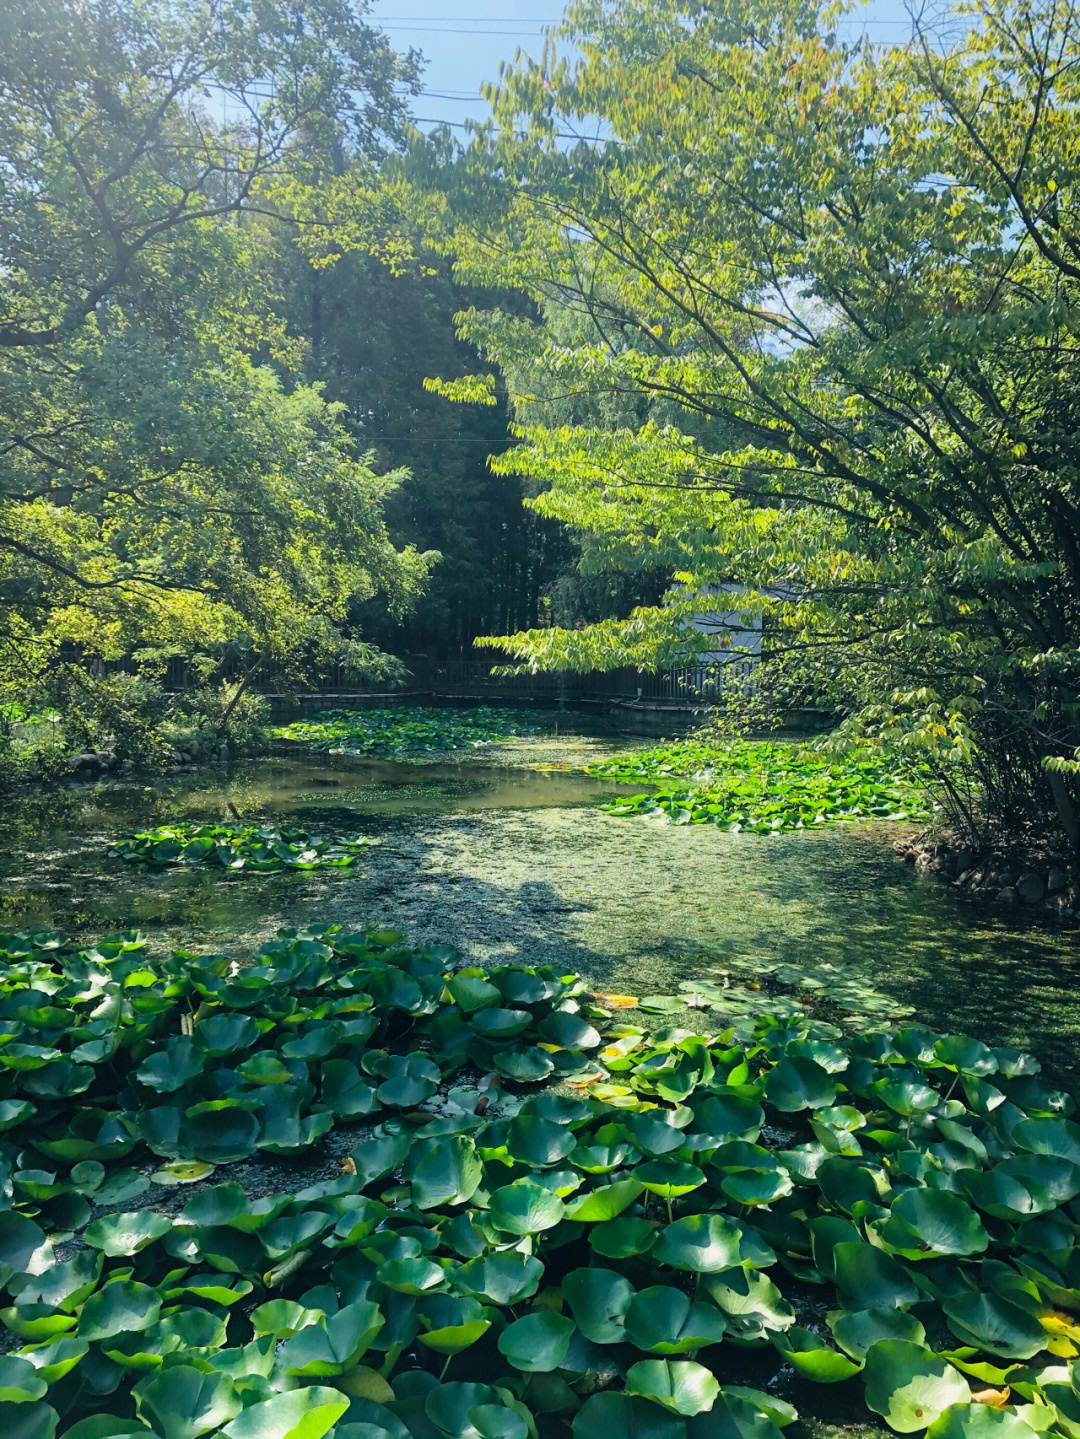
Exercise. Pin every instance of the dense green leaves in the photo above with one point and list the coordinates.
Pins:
(760, 786)
(702, 1197)
(407, 733)
(170, 493)
(833, 386)
(257, 848)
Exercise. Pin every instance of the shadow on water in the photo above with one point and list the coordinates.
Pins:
(518, 865)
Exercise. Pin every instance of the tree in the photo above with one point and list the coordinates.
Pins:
(160, 491)
(372, 333)
(852, 271)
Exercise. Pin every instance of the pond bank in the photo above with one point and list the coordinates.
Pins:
(1035, 880)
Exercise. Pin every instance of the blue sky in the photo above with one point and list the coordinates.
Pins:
(463, 42)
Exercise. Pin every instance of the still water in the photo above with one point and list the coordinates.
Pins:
(513, 862)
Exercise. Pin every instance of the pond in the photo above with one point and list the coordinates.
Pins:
(503, 853)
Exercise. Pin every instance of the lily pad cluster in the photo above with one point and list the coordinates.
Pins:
(260, 848)
(406, 733)
(762, 787)
(893, 1213)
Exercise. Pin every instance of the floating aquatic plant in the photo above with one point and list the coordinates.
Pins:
(892, 1211)
(262, 848)
(406, 733)
(760, 786)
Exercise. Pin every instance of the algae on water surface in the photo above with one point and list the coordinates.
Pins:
(518, 864)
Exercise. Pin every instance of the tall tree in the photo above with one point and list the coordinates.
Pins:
(159, 490)
(857, 267)
(373, 333)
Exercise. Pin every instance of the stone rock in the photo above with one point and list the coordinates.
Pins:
(84, 761)
(1056, 880)
(1008, 895)
(1030, 886)
(964, 877)
(127, 765)
(964, 860)
(1059, 906)
(923, 863)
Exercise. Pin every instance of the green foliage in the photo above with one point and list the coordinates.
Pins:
(455, 1278)
(494, 555)
(830, 288)
(260, 848)
(761, 786)
(164, 488)
(406, 733)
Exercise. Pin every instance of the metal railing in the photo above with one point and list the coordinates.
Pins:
(686, 686)
(431, 678)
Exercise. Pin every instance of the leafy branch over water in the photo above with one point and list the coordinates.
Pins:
(761, 785)
(893, 1211)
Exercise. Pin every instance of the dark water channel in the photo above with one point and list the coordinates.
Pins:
(512, 863)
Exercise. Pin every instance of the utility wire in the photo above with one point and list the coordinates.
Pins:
(399, 21)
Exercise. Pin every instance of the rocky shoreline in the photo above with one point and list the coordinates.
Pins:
(1038, 881)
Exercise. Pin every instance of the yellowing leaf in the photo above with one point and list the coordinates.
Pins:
(993, 1398)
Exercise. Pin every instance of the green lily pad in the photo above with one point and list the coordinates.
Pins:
(856, 1329)
(537, 1343)
(796, 1084)
(995, 1325)
(598, 1300)
(182, 1402)
(664, 1320)
(525, 1208)
(444, 1171)
(812, 1358)
(932, 1221)
(678, 1384)
(909, 1386)
(306, 1413)
(979, 1421)
(610, 1414)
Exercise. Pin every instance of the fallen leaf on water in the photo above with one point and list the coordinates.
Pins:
(995, 1398)
(619, 1001)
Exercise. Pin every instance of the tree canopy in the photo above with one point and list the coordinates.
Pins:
(849, 273)
(164, 483)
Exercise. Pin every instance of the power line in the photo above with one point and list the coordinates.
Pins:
(471, 19)
(450, 25)
(431, 30)
(398, 21)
